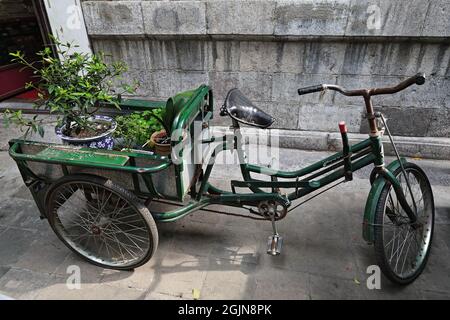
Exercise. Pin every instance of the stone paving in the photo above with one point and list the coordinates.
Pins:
(324, 255)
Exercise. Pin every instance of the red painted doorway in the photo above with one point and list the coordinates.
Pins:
(24, 27)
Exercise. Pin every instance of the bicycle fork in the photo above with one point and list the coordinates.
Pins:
(389, 176)
(399, 193)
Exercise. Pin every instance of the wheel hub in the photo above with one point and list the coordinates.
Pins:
(96, 230)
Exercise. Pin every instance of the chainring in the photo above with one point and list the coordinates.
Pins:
(270, 208)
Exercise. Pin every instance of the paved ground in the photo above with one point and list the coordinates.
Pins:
(324, 256)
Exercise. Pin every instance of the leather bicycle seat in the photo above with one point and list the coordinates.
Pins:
(240, 108)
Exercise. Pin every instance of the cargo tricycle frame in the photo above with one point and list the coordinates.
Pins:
(400, 198)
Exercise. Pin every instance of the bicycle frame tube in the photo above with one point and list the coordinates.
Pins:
(321, 173)
(314, 176)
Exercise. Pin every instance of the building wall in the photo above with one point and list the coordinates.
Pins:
(12, 9)
(270, 48)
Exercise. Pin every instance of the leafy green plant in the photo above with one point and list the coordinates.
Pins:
(73, 87)
(136, 128)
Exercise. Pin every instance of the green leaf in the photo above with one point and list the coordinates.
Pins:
(16, 54)
(6, 121)
(41, 130)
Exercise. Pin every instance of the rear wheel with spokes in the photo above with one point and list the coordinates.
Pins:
(102, 222)
(402, 247)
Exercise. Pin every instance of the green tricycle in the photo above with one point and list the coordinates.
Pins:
(97, 201)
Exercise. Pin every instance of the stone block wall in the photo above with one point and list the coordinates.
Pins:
(15, 9)
(269, 48)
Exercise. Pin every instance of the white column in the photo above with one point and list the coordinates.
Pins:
(67, 23)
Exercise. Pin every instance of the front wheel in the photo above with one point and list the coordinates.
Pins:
(402, 248)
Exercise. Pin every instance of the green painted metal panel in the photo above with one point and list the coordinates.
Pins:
(84, 155)
(181, 111)
(175, 105)
(17, 155)
(183, 119)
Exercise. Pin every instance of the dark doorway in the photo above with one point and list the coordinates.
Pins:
(24, 27)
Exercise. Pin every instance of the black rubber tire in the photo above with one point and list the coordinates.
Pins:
(378, 234)
(133, 201)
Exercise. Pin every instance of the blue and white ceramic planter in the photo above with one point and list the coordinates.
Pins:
(103, 141)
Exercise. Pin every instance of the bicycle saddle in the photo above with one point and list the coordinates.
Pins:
(241, 109)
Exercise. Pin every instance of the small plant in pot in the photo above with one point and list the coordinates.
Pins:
(73, 88)
(144, 130)
(134, 130)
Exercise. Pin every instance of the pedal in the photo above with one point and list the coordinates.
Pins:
(274, 244)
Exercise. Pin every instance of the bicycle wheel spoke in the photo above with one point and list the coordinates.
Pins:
(395, 237)
(113, 235)
(122, 245)
(111, 247)
(136, 237)
(127, 224)
(406, 256)
(399, 253)
(77, 215)
(114, 214)
(116, 242)
(400, 240)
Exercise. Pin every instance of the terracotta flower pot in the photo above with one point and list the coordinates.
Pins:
(162, 149)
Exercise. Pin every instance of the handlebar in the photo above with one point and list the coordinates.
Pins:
(418, 79)
(311, 89)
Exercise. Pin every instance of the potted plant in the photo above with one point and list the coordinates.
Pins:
(144, 130)
(161, 142)
(134, 130)
(73, 87)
